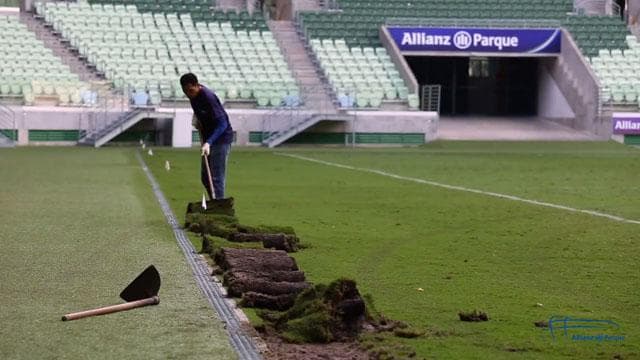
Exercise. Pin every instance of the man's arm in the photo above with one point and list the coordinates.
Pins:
(219, 115)
(222, 126)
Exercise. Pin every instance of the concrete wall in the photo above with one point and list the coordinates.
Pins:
(551, 101)
(424, 122)
(389, 122)
(634, 12)
(580, 86)
(178, 131)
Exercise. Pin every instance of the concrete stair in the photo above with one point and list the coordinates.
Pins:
(307, 5)
(5, 142)
(315, 92)
(60, 48)
(7, 122)
(635, 30)
(591, 7)
(231, 4)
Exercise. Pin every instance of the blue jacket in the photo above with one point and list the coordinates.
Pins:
(216, 128)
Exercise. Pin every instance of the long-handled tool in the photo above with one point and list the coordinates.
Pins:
(212, 194)
(140, 292)
(209, 177)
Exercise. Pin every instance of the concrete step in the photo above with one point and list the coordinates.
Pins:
(59, 48)
(309, 79)
(305, 74)
(231, 4)
(313, 88)
(307, 5)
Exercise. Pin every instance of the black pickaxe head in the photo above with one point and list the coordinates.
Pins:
(146, 285)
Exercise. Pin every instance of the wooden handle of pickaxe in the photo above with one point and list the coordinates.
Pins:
(111, 309)
(206, 165)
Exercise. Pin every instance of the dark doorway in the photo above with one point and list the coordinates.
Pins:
(481, 86)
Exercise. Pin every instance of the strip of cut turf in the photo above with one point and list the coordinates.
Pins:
(77, 226)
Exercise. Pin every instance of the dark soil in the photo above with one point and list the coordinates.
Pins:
(281, 350)
(255, 260)
(473, 316)
(300, 321)
(228, 227)
(277, 275)
(267, 279)
(216, 206)
(288, 243)
(271, 302)
(240, 285)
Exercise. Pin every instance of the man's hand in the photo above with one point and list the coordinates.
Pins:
(205, 149)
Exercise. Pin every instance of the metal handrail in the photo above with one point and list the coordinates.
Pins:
(8, 120)
(113, 100)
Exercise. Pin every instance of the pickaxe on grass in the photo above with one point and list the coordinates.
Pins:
(140, 292)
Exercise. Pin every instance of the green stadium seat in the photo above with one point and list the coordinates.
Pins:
(172, 41)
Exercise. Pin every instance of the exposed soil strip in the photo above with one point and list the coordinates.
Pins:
(262, 278)
(241, 342)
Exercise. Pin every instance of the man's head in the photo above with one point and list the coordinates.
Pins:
(190, 85)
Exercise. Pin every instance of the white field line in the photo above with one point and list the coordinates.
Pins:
(465, 189)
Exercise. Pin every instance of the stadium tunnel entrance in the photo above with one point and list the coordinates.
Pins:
(481, 86)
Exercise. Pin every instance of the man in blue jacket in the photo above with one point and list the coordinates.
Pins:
(215, 130)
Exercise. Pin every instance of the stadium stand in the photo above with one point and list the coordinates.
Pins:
(341, 40)
(31, 70)
(9, 3)
(614, 55)
(359, 21)
(366, 75)
(234, 53)
(353, 60)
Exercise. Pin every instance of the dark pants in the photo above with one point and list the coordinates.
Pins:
(218, 164)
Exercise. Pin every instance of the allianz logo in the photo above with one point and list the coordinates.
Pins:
(462, 40)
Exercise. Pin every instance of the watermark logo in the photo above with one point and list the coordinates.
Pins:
(584, 329)
(462, 40)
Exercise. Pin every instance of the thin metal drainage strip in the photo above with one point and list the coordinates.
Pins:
(242, 343)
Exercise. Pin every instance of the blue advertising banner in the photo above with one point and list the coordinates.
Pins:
(523, 41)
(626, 123)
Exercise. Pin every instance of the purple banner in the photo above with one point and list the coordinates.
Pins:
(522, 41)
(626, 123)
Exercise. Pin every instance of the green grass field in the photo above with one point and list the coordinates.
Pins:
(467, 251)
(79, 224)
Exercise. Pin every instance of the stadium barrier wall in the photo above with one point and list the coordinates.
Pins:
(552, 104)
(580, 86)
(61, 125)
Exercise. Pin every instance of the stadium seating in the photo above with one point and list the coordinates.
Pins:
(148, 51)
(604, 39)
(614, 55)
(348, 48)
(619, 72)
(367, 75)
(359, 21)
(9, 3)
(29, 69)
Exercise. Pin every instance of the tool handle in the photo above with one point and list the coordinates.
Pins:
(206, 164)
(111, 309)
